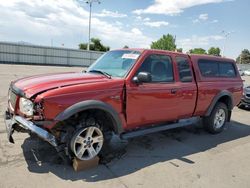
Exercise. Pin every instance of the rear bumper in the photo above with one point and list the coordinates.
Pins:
(12, 123)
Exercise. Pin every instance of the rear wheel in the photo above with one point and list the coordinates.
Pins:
(215, 123)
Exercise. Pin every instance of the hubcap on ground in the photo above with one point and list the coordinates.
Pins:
(87, 143)
(219, 119)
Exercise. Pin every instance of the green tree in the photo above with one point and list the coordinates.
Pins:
(244, 57)
(197, 51)
(214, 51)
(166, 42)
(125, 46)
(179, 50)
(83, 46)
(95, 45)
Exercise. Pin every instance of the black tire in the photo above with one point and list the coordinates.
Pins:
(209, 122)
(92, 120)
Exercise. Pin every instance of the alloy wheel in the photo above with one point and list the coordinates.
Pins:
(87, 143)
(219, 119)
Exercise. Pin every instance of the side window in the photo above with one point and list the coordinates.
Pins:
(184, 69)
(159, 66)
(227, 69)
(209, 68)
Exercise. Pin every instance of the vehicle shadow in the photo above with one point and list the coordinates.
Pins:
(140, 152)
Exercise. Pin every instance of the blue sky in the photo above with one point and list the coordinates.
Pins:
(136, 23)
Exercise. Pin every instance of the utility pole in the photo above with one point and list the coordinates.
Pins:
(226, 35)
(90, 2)
(51, 42)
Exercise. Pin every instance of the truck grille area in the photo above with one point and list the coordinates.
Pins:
(12, 99)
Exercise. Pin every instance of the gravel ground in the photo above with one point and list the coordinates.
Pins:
(186, 157)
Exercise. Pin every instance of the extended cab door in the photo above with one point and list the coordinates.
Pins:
(156, 101)
(187, 92)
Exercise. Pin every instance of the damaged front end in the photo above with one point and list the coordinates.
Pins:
(19, 117)
(21, 124)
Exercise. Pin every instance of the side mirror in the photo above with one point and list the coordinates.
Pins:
(142, 77)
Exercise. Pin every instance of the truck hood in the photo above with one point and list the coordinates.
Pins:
(30, 86)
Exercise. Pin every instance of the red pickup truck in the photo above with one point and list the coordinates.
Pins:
(128, 92)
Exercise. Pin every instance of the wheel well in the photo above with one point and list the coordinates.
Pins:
(227, 101)
(104, 118)
(65, 129)
(223, 97)
(93, 106)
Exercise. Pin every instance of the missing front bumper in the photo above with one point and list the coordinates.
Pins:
(12, 122)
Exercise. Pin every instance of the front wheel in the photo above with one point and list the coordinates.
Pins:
(90, 137)
(215, 123)
(87, 143)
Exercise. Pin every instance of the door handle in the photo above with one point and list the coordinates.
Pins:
(173, 91)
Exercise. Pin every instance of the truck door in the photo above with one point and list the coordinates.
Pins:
(156, 101)
(187, 92)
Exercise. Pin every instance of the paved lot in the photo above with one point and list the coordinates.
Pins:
(180, 158)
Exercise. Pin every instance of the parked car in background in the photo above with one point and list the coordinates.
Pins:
(245, 101)
(247, 72)
(128, 92)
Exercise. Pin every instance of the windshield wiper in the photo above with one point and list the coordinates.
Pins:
(102, 72)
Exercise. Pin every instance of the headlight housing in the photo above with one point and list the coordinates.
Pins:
(26, 106)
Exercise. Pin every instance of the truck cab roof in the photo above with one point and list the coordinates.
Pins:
(194, 57)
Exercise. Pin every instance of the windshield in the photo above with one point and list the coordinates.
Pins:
(115, 63)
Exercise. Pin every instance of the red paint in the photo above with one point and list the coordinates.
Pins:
(147, 103)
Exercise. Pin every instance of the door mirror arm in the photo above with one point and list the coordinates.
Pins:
(136, 80)
(142, 77)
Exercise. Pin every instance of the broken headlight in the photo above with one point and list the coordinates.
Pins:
(26, 106)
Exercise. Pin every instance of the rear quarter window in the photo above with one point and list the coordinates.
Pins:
(227, 70)
(184, 69)
(210, 68)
